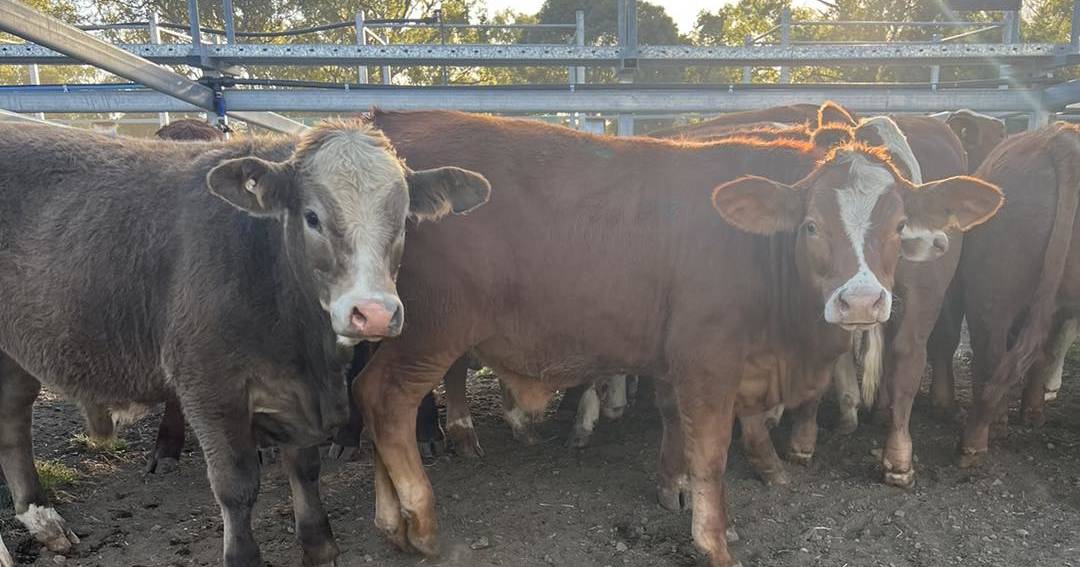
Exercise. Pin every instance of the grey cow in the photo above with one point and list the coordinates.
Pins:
(124, 280)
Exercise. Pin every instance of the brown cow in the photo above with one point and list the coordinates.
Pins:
(1013, 295)
(228, 277)
(725, 124)
(623, 267)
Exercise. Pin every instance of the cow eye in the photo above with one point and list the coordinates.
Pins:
(811, 228)
(900, 227)
(311, 219)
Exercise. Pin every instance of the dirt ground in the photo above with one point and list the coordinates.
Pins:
(547, 505)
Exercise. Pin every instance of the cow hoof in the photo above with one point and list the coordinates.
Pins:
(800, 457)
(395, 534)
(342, 452)
(429, 450)
(322, 556)
(970, 458)
(427, 545)
(847, 426)
(612, 413)
(579, 439)
(674, 495)
(1050, 395)
(904, 480)
(1034, 419)
(161, 465)
(465, 441)
(526, 437)
(778, 477)
(49, 528)
(267, 455)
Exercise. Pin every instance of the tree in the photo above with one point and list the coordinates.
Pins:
(59, 74)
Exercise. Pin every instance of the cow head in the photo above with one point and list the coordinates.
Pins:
(853, 217)
(978, 133)
(343, 198)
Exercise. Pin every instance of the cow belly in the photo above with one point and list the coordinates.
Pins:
(556, 368)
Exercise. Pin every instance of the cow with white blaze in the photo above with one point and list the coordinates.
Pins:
(227, 275)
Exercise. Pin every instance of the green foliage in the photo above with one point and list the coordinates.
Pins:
(113, 447)
(54, 474)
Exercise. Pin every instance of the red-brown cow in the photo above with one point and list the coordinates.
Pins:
(725, 124)
(1012, 295)
(623, 266)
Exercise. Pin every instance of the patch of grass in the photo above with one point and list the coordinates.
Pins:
(484, 372)
(114, 447)
(54, 474)
(1073, 356)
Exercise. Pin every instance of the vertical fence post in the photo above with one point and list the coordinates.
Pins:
(230, 25)
(747, 42)
(1074, 31)
(935, 70)
(193, 24)
(32, 72)
(1009, 24)
(627, 20)
(361, 39)
(579, 40)
(155, 38)
(785, 41)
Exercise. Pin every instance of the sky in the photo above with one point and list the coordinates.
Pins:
(684, 12)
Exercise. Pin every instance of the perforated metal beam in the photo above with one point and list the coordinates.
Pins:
(48, 32)
(1026, 54)
(615, 99)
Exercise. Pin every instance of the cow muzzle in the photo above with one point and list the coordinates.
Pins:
(858, 306)
(367, 318)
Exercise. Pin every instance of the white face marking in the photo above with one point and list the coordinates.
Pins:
(897, 144)
(856, 202)
(924, 237)
(365, 182)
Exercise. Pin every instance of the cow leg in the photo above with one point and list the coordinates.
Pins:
(429, 433)
(673, 490)
(524, 401)
(760, 450)
(588, 414)
(99, 424)
(848, 397)
(706, 411)
(613, 398)
(632, 383)
(5, 556)
(1060, 344)
(18, 390)
(905, 369)
(312, 525)
(459, 424)
(1044, 378)
(940, 350)
(988, 347)
(389, 392)
(170, 440)
(222, 424)
(804, 431)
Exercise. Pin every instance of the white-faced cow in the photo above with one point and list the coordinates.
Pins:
(125, 280)
(599, 256)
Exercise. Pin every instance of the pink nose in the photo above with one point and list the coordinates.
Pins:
(375, 319)
(858, 307)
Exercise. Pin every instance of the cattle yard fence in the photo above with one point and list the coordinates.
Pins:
(138, 52)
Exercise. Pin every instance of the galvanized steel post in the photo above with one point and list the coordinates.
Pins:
(361, 39)
(230, 26)
(785, 41)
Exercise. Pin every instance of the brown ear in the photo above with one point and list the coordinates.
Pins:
(958, 203)
(434, 193)
(965, 126)
(759, 205)
(832, 113)
(253, 185)
(831, 136)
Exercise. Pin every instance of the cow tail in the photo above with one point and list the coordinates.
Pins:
(872, 363)
(1063, 148)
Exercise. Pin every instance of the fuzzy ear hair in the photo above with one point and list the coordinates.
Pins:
(832, 113)
(828, 137)
(434, 193)
(759, 205)
(253, 185)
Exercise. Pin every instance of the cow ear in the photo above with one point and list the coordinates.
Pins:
(833, 113)
(965, 126)
(956, 203)
(434, 193)
(253, 185)
(759, 205)
(831, 136)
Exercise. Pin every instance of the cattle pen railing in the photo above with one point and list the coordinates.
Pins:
(220, 55)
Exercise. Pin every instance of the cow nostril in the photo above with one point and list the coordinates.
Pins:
(395, 320)
(842, 303)
(357, 318)
(880, 300)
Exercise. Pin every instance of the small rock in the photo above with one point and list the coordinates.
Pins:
(899, 513)
(59, 559)
(368, 559)
(876, 453)
(621, 547)
(549, 560)
(1050, 446)
(479, 544)
(997, 482)
(1022, 532)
